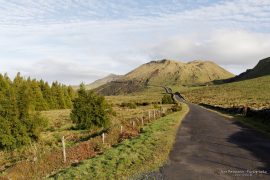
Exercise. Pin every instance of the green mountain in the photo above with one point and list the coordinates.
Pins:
(165, 72)
(261, 69)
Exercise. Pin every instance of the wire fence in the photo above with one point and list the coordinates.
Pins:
(43, 163)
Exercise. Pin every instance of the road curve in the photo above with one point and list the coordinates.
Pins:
(209, 146)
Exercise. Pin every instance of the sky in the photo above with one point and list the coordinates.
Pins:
(76, 41)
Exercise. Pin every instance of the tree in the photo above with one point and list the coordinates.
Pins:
(71, 93)
(58, 96)
(67, 97)
(19, 123)
(13, 132)
(38, 100)
(167, 99)
(90, 110)
(6, 138)
(47, 94)
(20, 103)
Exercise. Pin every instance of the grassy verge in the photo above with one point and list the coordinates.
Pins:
(259, 124)
(130, 158)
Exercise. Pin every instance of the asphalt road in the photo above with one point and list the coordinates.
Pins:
(209, 146)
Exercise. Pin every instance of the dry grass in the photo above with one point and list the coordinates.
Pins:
(131, 158)
(253, 93)
(60, 125)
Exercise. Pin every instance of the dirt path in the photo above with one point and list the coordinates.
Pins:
(208, 146)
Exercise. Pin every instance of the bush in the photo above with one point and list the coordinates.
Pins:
(90, 110)
(176, 107)
(167, 99)
(130, 105)
(156, 106)
(15, 133)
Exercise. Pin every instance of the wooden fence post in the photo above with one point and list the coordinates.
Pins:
(142, 121)
(103, 138)
(64, 149)
(149, 115)
(154, 114)
(133, 124)
(121, 129)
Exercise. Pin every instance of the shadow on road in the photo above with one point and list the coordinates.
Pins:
(256, 143)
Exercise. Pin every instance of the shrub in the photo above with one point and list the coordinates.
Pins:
(15, 133)
(90, 110)
(156, 106)
(167, 99)
(176, 107)
(130, 105)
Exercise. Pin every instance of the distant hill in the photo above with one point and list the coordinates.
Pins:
(261, 69)
(165, 72)
(100, 82)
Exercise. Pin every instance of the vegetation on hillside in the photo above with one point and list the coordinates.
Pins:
(169, 72)
(20, 100)
(253, 93)
(90, 110)
(120, 87)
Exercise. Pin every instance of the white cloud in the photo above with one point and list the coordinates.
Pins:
(69, 71)
(236, 50)
(78, 41)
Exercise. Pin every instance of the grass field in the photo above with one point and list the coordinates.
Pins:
(132, 157)
(45, 157)
(253, 93)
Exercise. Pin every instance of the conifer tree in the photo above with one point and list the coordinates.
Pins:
(90, 110)
(67, 98)
(16, 134)
(20, 101)
(71, 93)
(40, 103)
(47, 94)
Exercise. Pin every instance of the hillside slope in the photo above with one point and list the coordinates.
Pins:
(100, 82)
(261, 69)
(166, 72)
(252, 93)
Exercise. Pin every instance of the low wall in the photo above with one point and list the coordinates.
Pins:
(245, 111)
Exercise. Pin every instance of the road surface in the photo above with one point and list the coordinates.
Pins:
(209, 146)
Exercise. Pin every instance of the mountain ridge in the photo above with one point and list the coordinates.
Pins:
(165, 72)
(261, 69)
(176, 72)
